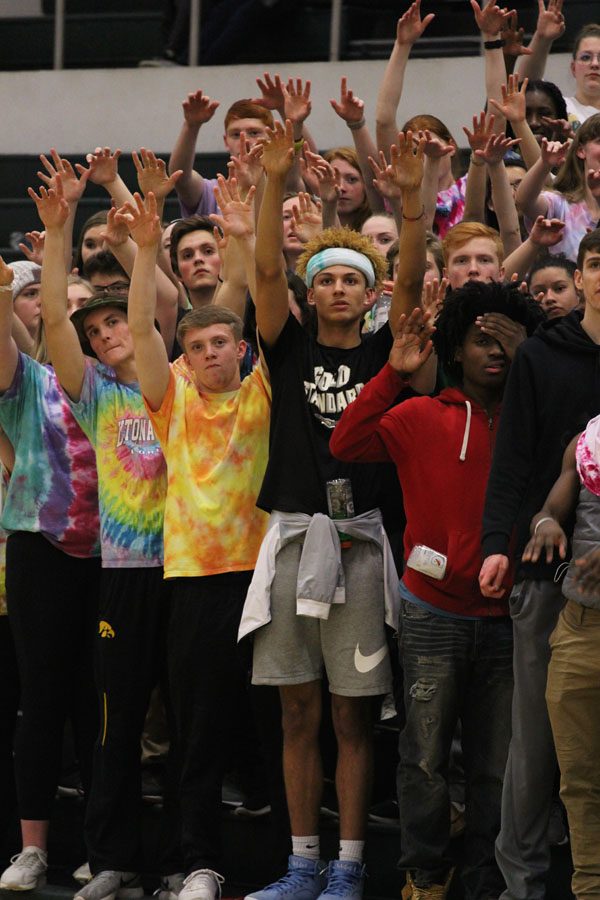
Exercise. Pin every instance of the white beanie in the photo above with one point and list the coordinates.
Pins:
(26, 273)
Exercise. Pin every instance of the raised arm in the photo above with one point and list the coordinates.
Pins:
(64, 348)
(72, 191)
(271, 299)
(151, 358)
(502, 195)
(490, 20)
(352, 110)
(513, 108)
(236, 221)
(198, 109)
(409, 29)
(103, 169)
(529, 200)
(477, 175)
(9, 354)
(406, 171)
(544, 233)
(550, 26)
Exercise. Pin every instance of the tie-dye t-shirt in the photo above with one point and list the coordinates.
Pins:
(577, 218)
(450, 207)
(132, 474)
(216, 446)
(53, 487)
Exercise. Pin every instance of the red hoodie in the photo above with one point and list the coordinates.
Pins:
(442, 449)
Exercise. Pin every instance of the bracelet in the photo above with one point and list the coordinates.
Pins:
(545, 519)
(355, 126)
(6, 288)
(475, 161)
(494, 45)
(414, 218)
(298, 145)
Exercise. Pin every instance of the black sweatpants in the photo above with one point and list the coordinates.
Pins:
(209, 691)
(9, 703)
(130, 658)
(52, 603)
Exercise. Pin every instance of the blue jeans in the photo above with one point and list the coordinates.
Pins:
(454, 669)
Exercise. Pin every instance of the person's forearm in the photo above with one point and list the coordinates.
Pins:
(528, 193)
(495, 77)
(118, 191)
(365, 147)
(54, 278)
(533, 65)
(474, 210)
(271, 296)
(237, 265)
(521, 259)
(529, 147)
(431, 180)
(189, 184)
(330, 214)
(142, 303)
(412, 258)
(355, 437)
(388, 98)
(504, 207)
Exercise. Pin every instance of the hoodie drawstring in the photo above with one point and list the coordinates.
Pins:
(463, 449)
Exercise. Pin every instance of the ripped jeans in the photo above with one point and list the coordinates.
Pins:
(453, 669)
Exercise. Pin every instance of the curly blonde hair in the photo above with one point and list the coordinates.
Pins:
(350, 240)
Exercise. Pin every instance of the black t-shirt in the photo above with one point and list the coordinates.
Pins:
(312, 385)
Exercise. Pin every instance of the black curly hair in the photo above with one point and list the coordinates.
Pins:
(462, 306)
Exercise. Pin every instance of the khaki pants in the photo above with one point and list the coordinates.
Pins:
(573, 697)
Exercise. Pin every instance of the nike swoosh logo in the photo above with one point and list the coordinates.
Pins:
(364, 664)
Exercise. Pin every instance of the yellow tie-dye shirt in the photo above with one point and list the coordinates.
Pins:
(216, 447)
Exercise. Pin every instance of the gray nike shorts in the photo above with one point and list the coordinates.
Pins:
(351, 643)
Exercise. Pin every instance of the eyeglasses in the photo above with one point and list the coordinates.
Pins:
(119, 287)
(586, 59)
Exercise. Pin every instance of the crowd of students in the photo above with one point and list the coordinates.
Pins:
(349, 396)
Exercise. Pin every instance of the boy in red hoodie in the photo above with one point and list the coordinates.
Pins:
(455, 645)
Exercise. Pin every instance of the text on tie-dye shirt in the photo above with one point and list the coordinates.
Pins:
(132, 474)
(53, 487)
(216, 446)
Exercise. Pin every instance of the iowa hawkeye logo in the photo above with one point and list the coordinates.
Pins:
(105, 630)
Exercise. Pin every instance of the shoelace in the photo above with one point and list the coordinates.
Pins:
(205, 875)
(291, 878)
(28, 859)
(340, 880)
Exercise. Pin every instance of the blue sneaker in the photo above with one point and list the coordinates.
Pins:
(304, 880)
(345, 880)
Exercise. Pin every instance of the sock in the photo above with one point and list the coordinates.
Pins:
(308, 846)
(352, 851)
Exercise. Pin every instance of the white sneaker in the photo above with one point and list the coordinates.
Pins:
(203, 884)
(27, 872)
(170, 886)
(82, 875)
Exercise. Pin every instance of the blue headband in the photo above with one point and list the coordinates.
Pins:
(340, 256)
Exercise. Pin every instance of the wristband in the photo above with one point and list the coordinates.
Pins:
(355, 126)
(5, 288)
(298, 145)
(414, 218)
(476, 161)
(545, 519)
(494, 45)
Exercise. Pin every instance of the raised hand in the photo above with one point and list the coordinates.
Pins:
(198, 108)
(103, 166)
(547, 536)
(491, 19)
(483, 129)
(278, 149)
(52, 207)
(513, 99)
(554, 152)
(308, 217)
(297, 104)
(512, 36)
(411, 26)
(507, 332)
(434, 147)
(271, 90)
(496, 147)
(6, 275)
(34, 253)
(246, 168)
(383, 180)
(237, 214)
(563, 127)
(116, 232)
(152, 174)
(547, 232)
(141, 219)
(406, 162)
(323, 178)
(551, 22)
(412, 343)
(72, 186)
(349, 108)
(433, 295)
